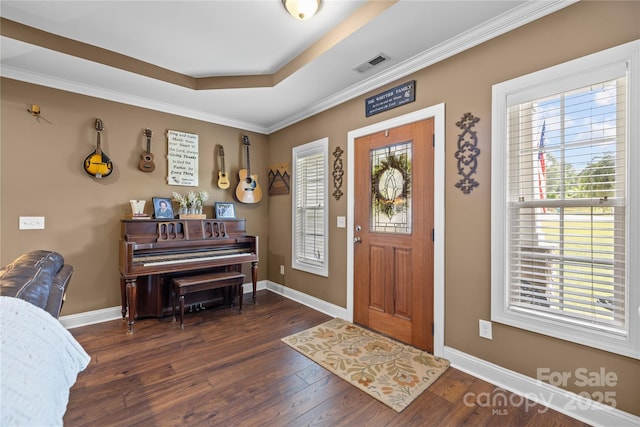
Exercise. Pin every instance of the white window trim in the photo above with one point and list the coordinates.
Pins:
(305, 150)
(579, 72)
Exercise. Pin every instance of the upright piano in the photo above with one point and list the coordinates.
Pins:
(154, 250)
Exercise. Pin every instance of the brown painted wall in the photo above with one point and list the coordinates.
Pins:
(41, 174)
(464, 83)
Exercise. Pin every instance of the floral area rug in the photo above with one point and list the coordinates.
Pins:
(387, 370)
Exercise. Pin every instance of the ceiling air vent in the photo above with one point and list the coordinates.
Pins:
(371, 63)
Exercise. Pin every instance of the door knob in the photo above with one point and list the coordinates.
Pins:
(357, 240)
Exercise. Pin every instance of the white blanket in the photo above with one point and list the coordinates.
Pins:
(39, 362)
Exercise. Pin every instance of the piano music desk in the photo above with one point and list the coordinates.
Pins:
(181, 286)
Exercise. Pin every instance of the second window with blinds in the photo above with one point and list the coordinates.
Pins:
(565, 188)
(310, 211)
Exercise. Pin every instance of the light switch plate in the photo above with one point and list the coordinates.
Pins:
(31, 223)
(341, 222)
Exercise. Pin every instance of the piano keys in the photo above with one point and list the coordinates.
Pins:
(182, 258)
(155, 250)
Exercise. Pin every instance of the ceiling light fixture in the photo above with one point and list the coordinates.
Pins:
(302, 9)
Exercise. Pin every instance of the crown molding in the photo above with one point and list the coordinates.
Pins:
(124, 98)
(528, 12)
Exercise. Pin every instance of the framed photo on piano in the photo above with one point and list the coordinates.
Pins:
(162, 208)
(224, 210)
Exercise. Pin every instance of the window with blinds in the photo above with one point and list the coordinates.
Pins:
(566, 186)
(566, 193)
(310, 211)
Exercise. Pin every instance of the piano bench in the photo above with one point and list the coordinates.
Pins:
(181, 286)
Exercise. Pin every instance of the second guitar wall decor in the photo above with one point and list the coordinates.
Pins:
(248, 189)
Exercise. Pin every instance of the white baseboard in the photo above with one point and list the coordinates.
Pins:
(305, 299)
(247, 287)
(565, 402)
(112, 313)
(91, 317)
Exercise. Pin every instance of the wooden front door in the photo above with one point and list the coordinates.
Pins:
(393, 244)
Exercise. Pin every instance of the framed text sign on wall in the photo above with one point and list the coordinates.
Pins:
(182, 157)
(390, 98)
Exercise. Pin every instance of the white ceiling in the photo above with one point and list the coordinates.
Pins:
(241, 37)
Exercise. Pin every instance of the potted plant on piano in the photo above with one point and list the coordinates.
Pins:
(191, 204)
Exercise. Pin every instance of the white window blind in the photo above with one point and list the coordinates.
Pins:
(310, 216)
(565, 191)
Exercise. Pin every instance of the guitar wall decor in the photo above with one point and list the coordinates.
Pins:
(146, 158)
(248, 189)
(223, 179)
(98, 164)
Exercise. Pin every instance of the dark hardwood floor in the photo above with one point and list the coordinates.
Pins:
(233, 370)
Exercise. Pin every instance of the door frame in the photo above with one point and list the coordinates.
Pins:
(438, 114)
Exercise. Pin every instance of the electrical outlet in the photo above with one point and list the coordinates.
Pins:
(282, 270)
(485, 329)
